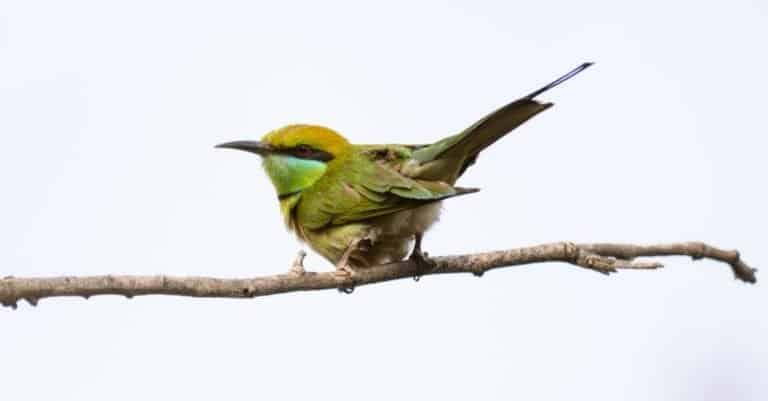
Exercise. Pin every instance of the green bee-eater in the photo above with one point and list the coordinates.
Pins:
(363, 205)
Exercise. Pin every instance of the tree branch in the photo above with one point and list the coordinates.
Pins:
(601, 257)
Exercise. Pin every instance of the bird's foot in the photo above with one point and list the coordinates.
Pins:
(424, 264)
(297, 267)
(344, 271)
(421, 259)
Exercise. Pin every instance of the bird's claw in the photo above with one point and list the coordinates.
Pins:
(346, 290)
(344, 272)
(424, 264)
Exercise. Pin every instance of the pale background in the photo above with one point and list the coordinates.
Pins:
(109, 113)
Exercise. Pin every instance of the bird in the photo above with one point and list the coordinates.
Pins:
(365, 205)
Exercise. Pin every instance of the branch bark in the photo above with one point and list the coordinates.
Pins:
(604, 258)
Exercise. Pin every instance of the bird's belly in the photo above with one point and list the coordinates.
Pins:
(392, 235)
(389, 237)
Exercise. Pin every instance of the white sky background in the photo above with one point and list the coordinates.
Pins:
(109, 114)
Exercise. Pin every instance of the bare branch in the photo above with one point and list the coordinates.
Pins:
(601, 257)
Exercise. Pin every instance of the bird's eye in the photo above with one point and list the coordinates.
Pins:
(303, 150)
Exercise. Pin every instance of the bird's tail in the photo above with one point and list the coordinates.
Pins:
(465, 146)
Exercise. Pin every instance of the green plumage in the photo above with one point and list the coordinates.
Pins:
(337, 196)
(366, 183)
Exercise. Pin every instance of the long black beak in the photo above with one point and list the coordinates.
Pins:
(260, 148)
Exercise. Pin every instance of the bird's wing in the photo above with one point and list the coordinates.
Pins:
(368, 187)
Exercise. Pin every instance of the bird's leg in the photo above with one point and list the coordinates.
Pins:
(342, 266)
(297, 267)
(419, 257)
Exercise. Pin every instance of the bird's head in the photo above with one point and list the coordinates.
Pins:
(295, 156)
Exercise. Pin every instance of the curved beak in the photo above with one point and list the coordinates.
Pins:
(260, 148)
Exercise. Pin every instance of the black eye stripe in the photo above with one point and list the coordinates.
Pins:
(307, 152)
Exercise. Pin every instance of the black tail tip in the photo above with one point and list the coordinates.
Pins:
(560, 80)
(583, 66)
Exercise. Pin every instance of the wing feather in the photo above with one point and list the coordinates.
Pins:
(365, 186)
